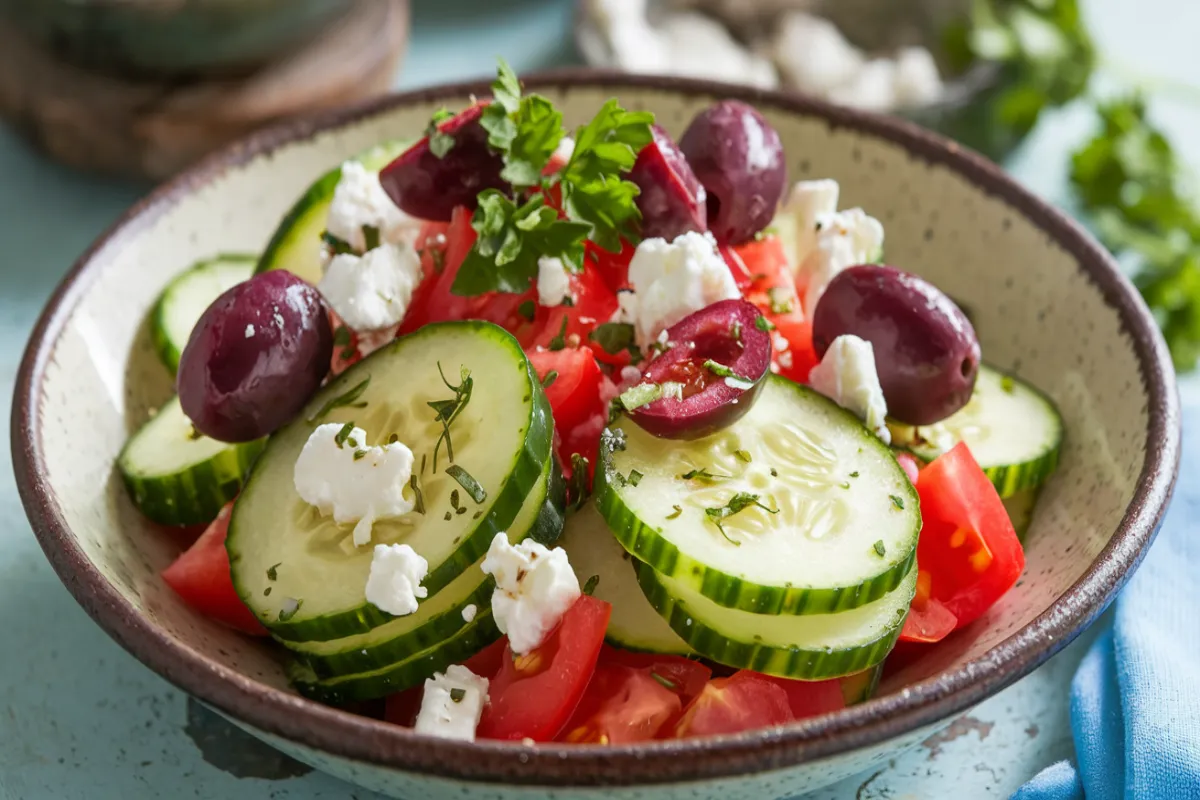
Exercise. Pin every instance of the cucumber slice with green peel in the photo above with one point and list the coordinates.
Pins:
(397, 677)
(1012, 429)
(179, 477)
(296, 243)
(501, 439)
(1020, 508)
(593, 551)
(834, 525)
(187, 297)
(860, 687)
(810, 647)
(437, 617)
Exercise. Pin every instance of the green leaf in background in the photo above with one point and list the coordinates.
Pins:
(1131, 181)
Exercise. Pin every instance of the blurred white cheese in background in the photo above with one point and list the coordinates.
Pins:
(797, 49)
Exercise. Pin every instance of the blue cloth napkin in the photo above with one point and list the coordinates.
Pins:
(1135, 701)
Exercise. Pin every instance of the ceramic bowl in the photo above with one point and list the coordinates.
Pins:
(1048, 303)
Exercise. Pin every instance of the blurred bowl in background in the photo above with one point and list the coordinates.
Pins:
(162, 38)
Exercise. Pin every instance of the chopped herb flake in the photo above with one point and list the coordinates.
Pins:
(615, 338)
(336, 246)
(722, 371)
(454, 502)
(359, 454)
(640, 395)
(348, 399)
(467, 482)
(439, 143)
(675, 513)
(667, 682)
(578, 490)
(448, 410)
(702, 474)
(341, 436)
(898, 502)
(550, 378)
(854, 474)
(744, 455)
(289, 608)
(879, 548)
(273, 571)
(560, 340)
(370, 236)
(527, 310)
(590, 586)
(457, 694)
(781, 300)
(738, 503)
(448, 516)
(1007, 384)
(418, 495)
(763, 324)
(635, 477)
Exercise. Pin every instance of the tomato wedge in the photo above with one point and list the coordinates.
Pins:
(621, 705)
(810, 698)
(740, 702)
(685, 676)
(201, 577)
(576, 400)
(534, 695)
(593, 305)
(968, 555)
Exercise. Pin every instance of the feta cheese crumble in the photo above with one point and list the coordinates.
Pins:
(534, 588)
(249, 331)
(671, 280)
(452, 704)
(469, 612)
(340, 474)
(359, 200)
(847, 376)
(553, 282)
(372, 292)
(394, 583)
(845, 239)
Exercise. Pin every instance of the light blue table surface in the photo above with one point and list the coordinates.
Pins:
(79, 718)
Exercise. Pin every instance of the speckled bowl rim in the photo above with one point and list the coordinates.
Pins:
(362, 739)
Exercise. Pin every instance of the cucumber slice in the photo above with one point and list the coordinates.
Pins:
(809, 647)
(502, 438)
(188, 296)
(437, 618)
(296, 243)
(178, 477)
(837, 489)
(1013, 430)
(397, 677)
(860, 687)
(634, 624)
(1020, 508)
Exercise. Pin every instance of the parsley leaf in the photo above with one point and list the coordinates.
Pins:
(615, 337)
(738, 503)
(511, 240)
(439, 143)
(591, 585)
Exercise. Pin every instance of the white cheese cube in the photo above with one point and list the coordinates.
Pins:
(452, 704)
(534, 588)
(372, 292)
(671, 280)
(341, 475)
(553, 282)
(359, 200)
(394, 583)
(847, 376)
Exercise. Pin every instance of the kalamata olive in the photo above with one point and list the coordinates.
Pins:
(428, 186)
(672, 199)
(926, 352)
(738, 157)
(709, 375)
(255, 357)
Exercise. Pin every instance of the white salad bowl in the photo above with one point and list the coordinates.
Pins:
(1048, 303)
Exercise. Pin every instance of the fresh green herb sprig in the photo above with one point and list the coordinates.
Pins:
(1129, 178)
(514, 232)
(448, 410)
(737, 504)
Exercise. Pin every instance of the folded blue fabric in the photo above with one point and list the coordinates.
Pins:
(1135, 701)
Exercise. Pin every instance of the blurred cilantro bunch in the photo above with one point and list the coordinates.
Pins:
(1127, 176)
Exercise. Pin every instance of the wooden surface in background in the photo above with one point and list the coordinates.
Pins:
(153, 129)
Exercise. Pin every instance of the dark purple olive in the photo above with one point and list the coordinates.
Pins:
(926, 352)
(738, 157)
(429, 187)
(672, 199)
(255, 357)
(710, 374)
